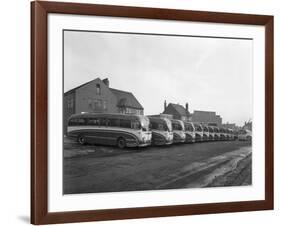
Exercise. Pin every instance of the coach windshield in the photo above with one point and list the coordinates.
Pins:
(169, 125)
(198, 128)
(177, 125)
(189, 127)
(144, 123)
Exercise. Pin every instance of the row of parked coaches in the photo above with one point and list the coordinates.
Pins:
(138, 131)
(186, 132)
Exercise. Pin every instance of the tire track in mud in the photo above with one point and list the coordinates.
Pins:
(211, 172)
(241, 176)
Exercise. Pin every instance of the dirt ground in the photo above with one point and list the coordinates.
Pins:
(90, 168)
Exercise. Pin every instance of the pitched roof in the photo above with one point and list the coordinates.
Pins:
(208, 112)
(126, 99)
(77, 87)
(179, 108)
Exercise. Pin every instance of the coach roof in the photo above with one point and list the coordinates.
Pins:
(106, 115)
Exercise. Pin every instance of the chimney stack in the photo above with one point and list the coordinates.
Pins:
(106, 82)
(187, 111)
(165, 105)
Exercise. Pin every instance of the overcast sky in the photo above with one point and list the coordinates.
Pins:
(212, 74)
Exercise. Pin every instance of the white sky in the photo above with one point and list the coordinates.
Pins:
(213, 74)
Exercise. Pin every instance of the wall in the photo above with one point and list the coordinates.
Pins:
(15, 113)
(89, 91)
(171, 111)
(68, 108)
(206, 117)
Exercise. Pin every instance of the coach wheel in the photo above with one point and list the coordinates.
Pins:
(81, 140)
(121, 143)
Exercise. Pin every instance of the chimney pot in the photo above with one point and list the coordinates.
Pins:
(106, 82)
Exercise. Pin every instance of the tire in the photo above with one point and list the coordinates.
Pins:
(121, 143)
(81, 140)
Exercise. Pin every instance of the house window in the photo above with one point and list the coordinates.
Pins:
(98, 89)
(130, 111)
(95, 104)
(90, 103)
(122, 110)
(98, 104)
(104, 105)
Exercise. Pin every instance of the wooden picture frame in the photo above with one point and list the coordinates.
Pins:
(39, 109)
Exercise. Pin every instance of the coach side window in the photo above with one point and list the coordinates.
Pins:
(72, 122)
(125, 123)
(93, 121)
(114, 122)
(77, 122)
(104, 122)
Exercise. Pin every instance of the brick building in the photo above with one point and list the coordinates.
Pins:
(177, 111)
(97, 97)
(230, 126)
(208, 117)
(248, 125)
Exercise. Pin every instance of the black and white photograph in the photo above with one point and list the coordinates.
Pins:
(155, 111)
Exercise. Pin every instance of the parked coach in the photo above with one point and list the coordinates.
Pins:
(211, 133)
(227, 134)
(189, 132)
(230, 134)
(235, 134)
(216, 133)
(198, 132)
(223, 135)
(205, 133)
(178, 131)
(162, 133)
(245, 135)
(110, 129)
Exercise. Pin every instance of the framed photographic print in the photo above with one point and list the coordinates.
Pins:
(148, 112)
